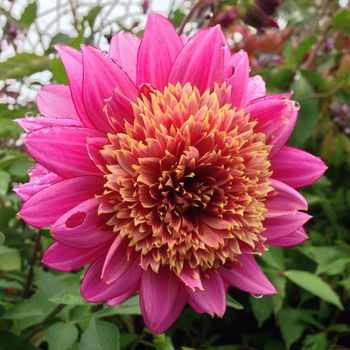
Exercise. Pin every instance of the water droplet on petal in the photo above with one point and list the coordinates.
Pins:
(41, 115)
(29, 115)
(257, 296)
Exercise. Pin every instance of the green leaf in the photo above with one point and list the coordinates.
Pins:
(303, 48)
(2, 238)
(308, 113)
(9, 340)
(9, 259)
(262, 308)
(6, 214)
(274, 258)
(92, 15)
(28, 15)
(58, 71)
(68, 297)
(316, 342)
(341, 21)
(233, 303)
(23, 65)
(129, 307)
(315, 285)
(100, 336)
(61, 336)
(4, 182)
(292, 323)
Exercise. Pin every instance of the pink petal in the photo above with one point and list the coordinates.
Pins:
(239, 79)
(62, 150)
(123, 49)
(31, 124)
(162, 298)
(286, 201)
(94, 146)
(212, 299)
(81, 227)
(40, 178)
(117, 262)
(256, 88)
(296, 168)
(93, 289)
(73, 63)
(120, 299)
(191, 278)
(280, 226)
(118, 109)
(101, 76)
(63, 258)
(294, 238)
(201, 61)
(159, 47)
(247, 276)
(55, 101)
(276, 118)
(46, 206)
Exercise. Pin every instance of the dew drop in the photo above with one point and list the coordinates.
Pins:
(257, 296)
(29, 115)
(41, 115)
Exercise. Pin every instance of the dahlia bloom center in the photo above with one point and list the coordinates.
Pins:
(187, 179)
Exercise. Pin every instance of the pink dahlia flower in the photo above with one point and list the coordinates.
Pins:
(164, 167)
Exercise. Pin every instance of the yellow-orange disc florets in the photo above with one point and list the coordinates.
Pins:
(188, 179)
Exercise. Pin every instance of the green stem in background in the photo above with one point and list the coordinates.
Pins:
(190, 14)
(33, 259)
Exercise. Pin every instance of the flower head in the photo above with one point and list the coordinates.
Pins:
(163, 166)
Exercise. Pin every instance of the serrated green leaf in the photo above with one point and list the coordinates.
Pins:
(29, 15)
(61, 336)
(100, 335)
(292, 323)
(314, 285)
(316, 342)
(23, 65)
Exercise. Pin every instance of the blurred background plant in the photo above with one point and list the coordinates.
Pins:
(301, 46)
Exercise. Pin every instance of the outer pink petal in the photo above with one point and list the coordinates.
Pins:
(201, 61)
(94, 146)
(63, 258)
(117, 262)
(191, 278)
(120, 299)
(46, 206)
(55, 101)
(247, 276)
(212, 299)
(62, 150)
(294, 238)
(40, 178)
(256, 88)
(73, 63)
(296, 168)
(31, 124)
(94, 289)
(81, 227)
(123, 49)
(239, 79)
(162, 298)
(286, 200)
(276, 118)
(159, 47)
(101, 76)
(118, 109)
(281, 226)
